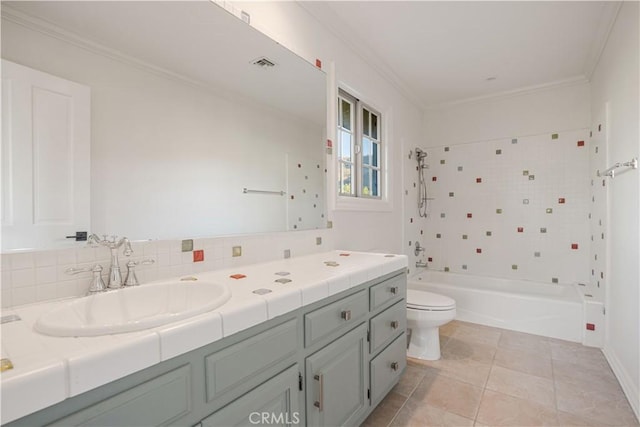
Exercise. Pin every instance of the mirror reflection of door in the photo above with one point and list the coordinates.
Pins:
(45, 158)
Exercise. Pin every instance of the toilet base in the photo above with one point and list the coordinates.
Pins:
(425, 344)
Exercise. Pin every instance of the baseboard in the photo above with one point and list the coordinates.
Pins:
(629, 388)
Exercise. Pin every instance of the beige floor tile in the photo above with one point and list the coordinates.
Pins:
(497, 409)
(607, 405)
(578, 354)
(525, 342)
(524, 361)
(477, 334)
(524, 386)
(448, 329)
(419, 414)
(572, 373)
(385, 411)
(409, 380)
(566, 419)
(465, 370)
(463, 350)
(448, 395)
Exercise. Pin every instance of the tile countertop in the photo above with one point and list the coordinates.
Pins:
(47, 370)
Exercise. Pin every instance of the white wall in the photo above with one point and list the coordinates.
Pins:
(615, 81)
(169, 159)
(291, 25)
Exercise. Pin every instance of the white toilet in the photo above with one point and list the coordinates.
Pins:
(426, 312)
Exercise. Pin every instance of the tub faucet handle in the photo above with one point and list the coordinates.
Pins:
(418, 249)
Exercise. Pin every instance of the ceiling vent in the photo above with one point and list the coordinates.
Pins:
(264, 62)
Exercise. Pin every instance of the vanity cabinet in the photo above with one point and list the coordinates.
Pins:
(325, 364)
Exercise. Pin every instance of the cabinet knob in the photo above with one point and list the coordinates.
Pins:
(394, 366)
(346, 314)
(395, 324)
(393, 290)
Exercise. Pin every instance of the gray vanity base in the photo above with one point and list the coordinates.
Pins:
(326, 364)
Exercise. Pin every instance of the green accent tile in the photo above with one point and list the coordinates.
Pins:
(451, 194)
(532, 177)
(498, 211)
(438, 236)
(549, 210)
(525, 173)
(489, 233)
(514, 266)
(554, 136)
(554, 280)
(498, 152)
(464, 237)
(536, 254)
(442, 162)
(446, 269)
(187, 245)
(446, 148)
(514, 141)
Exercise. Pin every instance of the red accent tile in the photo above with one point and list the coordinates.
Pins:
(411, 220)
(574, 246)
(237, 276)
(580, 143)
(561, 200)
(478, 180)
(435, 178)
(344, 254)
(329, 143)
(478, 251)
(318, 63)
(591, 327)
(520, 229)
(430, 259)
(469, 215)
(198, 256)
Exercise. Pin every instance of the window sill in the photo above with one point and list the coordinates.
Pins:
(362, 204)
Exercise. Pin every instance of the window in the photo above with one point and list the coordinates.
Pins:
(359, 149)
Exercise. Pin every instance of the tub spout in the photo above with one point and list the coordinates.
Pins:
(421, 264)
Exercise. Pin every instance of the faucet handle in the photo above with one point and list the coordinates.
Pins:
(97, 284)
(132, 279)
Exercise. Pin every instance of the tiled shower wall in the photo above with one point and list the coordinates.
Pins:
(513, 208)
(35, 276)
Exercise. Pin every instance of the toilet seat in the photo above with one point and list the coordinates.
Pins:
(427, 301)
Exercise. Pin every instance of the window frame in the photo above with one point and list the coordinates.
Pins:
(357, 141)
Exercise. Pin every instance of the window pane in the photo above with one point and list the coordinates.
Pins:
(345, 179)
(374, 126)
(366, 181)
(374, 183)
(345, 146)
(367, 148)
(365, 122)
(346, 114)
(375, 154)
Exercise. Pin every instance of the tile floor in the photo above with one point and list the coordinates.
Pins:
(495, 377)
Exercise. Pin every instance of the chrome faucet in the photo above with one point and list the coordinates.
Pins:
(418, 249)
(115, 277)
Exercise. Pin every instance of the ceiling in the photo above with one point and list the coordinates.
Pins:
(442, 52)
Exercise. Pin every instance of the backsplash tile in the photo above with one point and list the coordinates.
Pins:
(29, 277)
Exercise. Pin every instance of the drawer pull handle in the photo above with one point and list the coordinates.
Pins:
(346, 314)
(393, 290)
(394, 366)
(395, 324)
(320, 402)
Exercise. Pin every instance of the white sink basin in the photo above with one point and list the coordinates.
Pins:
(132, 309)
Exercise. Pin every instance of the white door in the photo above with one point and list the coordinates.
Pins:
(45, 158)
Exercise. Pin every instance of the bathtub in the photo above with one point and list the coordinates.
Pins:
(551, 310)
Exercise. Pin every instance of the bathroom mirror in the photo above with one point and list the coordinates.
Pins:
(200, 125)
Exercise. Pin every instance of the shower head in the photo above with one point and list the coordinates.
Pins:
(420, 154)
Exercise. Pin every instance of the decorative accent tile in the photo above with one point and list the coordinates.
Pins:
(442, 162)
(498, 152)
(554, 136)
(478, 251)
(514, 141)
(536, 254)
(469, 215)
(446, 149)
(489, 233)
(561, 200)
(498, 211)
(438, 236)
(532, 177)
(282, 273)
(464, 266)
(198, 256)
(451, 194)
(344, 254)
(187, 245)
(238, 276)
(543, 230)
(554, 280)
(520, 229)
(525, 173)
(460, 169)
(446, 269)
(430, 259)
(525, 201)
(580, 143)
(549, 210)
(478, 180)
(465, 237)
(282, 280)
(514, 266)
(434, 178)
(443, 215)
(574, 246)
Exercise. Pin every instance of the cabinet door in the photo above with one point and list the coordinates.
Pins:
(274, 403)
(336, 381)
(45, 157)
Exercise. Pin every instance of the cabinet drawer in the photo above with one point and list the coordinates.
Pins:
(246, 364)
(387, 325)
(157, 402)
(391, 289)
(387, 367)
(333, 317)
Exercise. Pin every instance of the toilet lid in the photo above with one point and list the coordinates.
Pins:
(423, 300)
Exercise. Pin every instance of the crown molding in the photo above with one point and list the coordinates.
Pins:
(609, 16)
(572, 81)
(333, 23)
